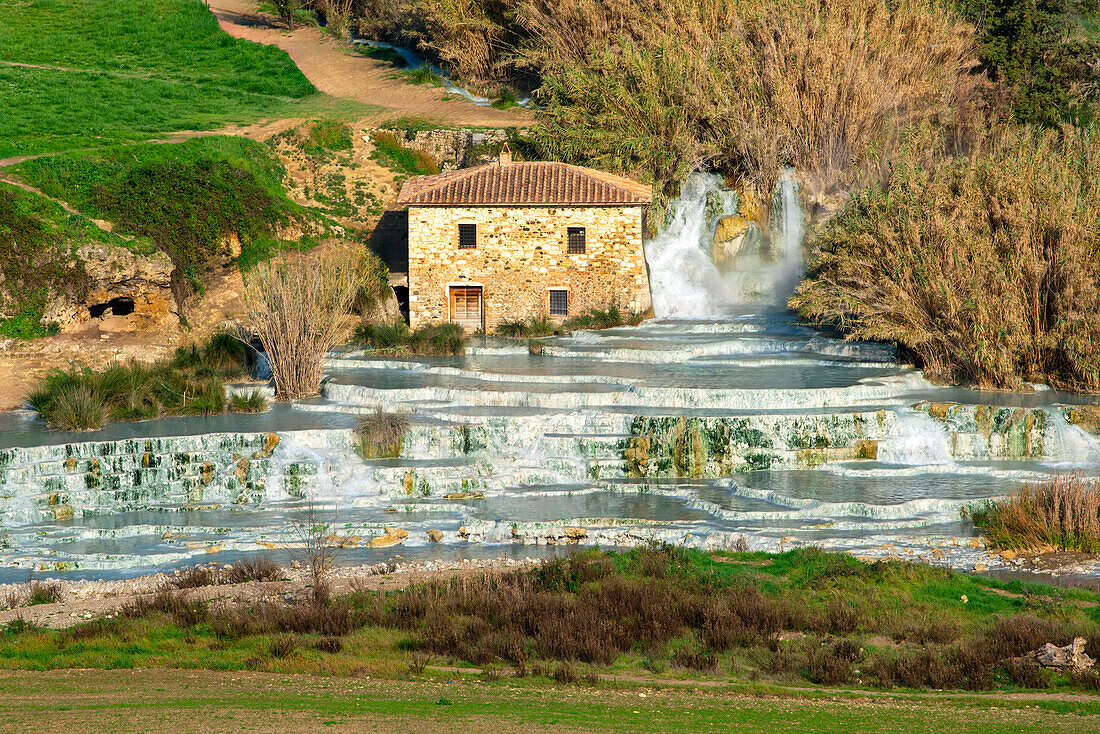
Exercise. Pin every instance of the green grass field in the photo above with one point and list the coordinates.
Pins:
(212, 702)
(108, 72)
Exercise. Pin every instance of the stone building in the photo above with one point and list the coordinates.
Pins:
(512, 240)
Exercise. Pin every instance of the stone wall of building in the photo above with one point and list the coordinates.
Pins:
(521, 254)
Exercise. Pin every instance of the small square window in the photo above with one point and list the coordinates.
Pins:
(559, 302)
(467, 236)
(575, 240)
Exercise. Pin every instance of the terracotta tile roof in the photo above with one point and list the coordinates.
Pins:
(539, 183)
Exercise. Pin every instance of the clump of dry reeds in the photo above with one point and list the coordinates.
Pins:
(1062, 513)
(300, 310)
(986, 267)
(381, 435)
(659, 87)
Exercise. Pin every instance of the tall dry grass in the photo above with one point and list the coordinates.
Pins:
(1062, 513)
(300, 310)
(986, 267)
(660, 87)
(476, 39)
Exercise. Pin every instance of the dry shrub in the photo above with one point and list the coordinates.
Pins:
(565, 673)
(299, 308)
(381, 434)
(253, 568)
(1026, 674)
(282, 646)
(659, 87)
(832, 665)
(418, 662)
(1062, 513)
(696, 657)
(43, 593)
(329, 644)
(986, 267)
(1021, 633)
(195, 577)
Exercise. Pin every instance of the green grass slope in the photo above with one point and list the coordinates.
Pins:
(184, 198)
(80, 73)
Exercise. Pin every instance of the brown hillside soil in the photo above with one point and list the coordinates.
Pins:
(337, 71)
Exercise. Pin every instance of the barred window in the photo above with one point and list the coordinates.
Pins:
(575, 240)
(467, 236)
(559, 302)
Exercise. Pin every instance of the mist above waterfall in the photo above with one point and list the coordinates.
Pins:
(764, 269)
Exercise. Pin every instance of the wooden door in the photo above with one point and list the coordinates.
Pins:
(466, 306)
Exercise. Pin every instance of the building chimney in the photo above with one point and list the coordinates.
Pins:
(505, 155)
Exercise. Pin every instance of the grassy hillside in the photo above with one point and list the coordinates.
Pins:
(102, 72)
(185, 197)
(38, 241)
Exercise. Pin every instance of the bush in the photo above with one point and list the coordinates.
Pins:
(381, 435)
(43, 593)
(253, 568)
(282, 646)
(195, 577)
(439, 340)
(253, 402)
(396, 337)
(191, 382)
(986, 268)
(1062, 513)
(78, 407)
(300, 312)
(393, 154)
(608, 318)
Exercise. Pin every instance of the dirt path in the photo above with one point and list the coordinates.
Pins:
(337, 72)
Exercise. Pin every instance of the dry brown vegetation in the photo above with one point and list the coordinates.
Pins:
(986, 267)
(805, 615)
(381, 434)
(477, 39)
(660, 88)
(300, 310)
(1063, 514)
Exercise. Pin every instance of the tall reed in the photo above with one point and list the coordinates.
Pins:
(986, 267)
(1062, 513)
(660, 87)
(300, 310)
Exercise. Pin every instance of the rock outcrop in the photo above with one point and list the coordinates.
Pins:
(1070, 657)
(455, 148)
(122, 283)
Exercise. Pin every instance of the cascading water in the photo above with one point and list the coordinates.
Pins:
(686, 282)
(700, 433)
(683, 280)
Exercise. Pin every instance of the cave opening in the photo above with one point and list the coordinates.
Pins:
(121, 306)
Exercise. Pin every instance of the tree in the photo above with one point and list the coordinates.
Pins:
(286, 10)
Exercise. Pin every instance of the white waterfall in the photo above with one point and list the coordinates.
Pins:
(916, 440)
(684, 280)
